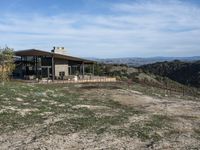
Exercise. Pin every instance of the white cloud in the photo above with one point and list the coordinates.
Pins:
(143, 28)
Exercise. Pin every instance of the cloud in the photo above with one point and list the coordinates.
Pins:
(140, 28)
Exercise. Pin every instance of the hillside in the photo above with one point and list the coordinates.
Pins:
(98, 116)
(144, 77)
(139, 61)
(187, 73)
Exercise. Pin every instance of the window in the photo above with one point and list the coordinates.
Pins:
(46, 61)
(62, 74)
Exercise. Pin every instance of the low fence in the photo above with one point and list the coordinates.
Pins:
(171, 89)
(93, 80)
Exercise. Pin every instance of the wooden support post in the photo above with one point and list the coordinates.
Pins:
(36, 59)
(53, 68)
(49, 72)
(26, 65)
(93, 69)
(90, 69)
(83, 65)
(80, 69)
(22, 73)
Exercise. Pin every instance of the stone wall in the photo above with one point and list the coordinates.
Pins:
(61, 66)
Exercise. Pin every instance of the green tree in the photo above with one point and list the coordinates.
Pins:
(6, 63)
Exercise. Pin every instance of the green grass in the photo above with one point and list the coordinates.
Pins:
(197, 133)
(56, 112)
(57, 93)
(13, 121)
(48, 98)
(147, 130)
(159, 121)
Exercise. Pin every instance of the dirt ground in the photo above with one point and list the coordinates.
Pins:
(94, 117)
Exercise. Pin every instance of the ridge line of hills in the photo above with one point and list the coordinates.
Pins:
(185, 71)
(139, 61)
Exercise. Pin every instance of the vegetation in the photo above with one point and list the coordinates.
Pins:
(44, 98)
(95, 113)
(6, 63)
(187, 73)
(147, 129)
(144, 77)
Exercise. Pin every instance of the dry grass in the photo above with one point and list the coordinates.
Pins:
(89, 116)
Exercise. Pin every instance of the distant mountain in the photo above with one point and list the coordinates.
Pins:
(138, 61)
(187, 73)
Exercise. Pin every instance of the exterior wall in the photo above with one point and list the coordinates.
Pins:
(61, 66)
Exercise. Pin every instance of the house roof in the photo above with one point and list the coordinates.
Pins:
(35, 52)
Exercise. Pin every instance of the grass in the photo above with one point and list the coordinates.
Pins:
(147, 130)
(47, 98)
(59, 100)
(159, 121)
(88, 120)
(13, 121)
(160, 93)
(197, 133)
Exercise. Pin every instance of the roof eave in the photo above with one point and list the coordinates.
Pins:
(35, 52)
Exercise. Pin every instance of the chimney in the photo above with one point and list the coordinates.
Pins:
(59, 50)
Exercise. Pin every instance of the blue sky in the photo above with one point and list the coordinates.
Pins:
(103, 28)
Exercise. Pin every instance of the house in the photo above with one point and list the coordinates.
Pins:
(54, 65)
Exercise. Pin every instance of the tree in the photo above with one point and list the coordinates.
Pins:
(6, 63)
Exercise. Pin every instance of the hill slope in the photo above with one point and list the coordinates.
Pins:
(139, 61)
(98, 116)
(187, 73)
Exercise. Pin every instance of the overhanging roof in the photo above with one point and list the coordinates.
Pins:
(35, 52)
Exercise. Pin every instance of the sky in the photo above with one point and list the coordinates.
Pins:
(103, 28)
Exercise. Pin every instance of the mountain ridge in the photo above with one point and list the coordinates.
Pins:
(139, 61)
(187, 73)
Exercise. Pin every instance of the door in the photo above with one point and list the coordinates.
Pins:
(46, 72)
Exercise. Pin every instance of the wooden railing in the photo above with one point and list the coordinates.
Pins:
(93, 80)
